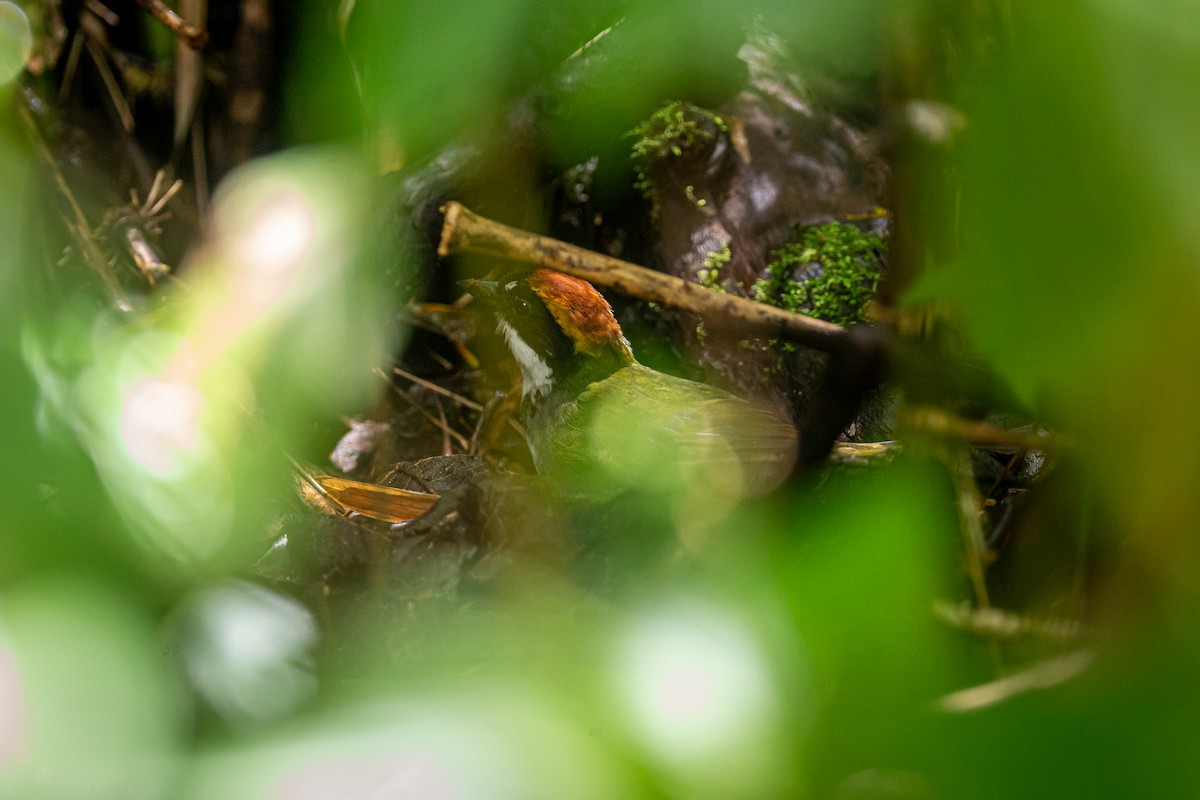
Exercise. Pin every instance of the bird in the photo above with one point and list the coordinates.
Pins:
(603, 422)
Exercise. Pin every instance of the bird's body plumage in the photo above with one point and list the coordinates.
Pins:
(597, 418)
(660, 429)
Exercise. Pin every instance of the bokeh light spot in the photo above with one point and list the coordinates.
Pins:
(695, 682)
(248, 650)
(159, 419)
(12, 709)
(279, 234)
(16, 40)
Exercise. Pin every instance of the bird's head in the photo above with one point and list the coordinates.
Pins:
(560, 330)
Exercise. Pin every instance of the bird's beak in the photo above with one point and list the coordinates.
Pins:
(482, 290)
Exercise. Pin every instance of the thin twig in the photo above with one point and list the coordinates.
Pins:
(72, 64)
(978, 433)
(446, 448)
(194, 36)
(450, 321)
(583, 48)
(199, 164)
(862, 452)
(466, 232)
(401, 469)
(120, 104)
(1008, 469)
(189, 70)
(1042, 675)
(155, 185)
(309, 478)
(152, 207)
(78, 225)
(473, 450)
(458, 437)
(998, 623)
(433, 387)
(103, 12)
(969, 509)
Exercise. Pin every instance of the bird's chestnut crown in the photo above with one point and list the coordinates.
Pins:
(560, 330)
(582, 314)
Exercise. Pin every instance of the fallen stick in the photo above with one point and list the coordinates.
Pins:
(466, 232)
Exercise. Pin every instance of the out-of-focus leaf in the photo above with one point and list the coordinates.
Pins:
(248, 651)
(695, 685)
(278, 325)
(85, 687)
(1075, 278)
(16, 40)
(432, 72)
(869, 552)
(479, 741)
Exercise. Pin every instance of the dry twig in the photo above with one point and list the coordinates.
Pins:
(76, 221)
(193, 36)
(440, 424)
(978, 433)
(433, 387)
(1042, 675)
(466, 232)
(998, 623)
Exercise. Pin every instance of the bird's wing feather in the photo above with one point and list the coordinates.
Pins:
(649, 426)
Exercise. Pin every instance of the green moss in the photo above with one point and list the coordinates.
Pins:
(698, 202)
(848, 272)
(710, 272)
(675, 130)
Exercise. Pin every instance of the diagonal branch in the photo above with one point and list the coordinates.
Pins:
(467, 232)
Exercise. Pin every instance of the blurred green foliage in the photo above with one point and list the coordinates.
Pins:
(791, 653)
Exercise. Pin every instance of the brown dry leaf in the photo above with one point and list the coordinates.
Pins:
(375, 501)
